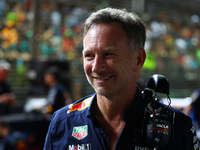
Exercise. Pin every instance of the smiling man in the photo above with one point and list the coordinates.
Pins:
(112, 118)
(110, 66)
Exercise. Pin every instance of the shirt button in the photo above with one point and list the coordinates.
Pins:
(104, 134)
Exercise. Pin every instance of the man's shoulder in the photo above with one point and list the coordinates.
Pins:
(179, 116)
(181, 120)
(75, 109)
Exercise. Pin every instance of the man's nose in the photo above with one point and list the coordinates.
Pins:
(99, 64)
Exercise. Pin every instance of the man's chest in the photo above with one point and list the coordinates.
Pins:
(86, 136)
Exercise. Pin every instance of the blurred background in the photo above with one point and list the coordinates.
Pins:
(36, 34)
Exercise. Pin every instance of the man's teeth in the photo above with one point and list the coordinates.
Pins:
(103, 78)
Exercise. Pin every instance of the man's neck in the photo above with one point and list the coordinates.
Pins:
(113, 108)
(109, 113)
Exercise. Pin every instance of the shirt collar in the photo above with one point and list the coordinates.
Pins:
(137, 108)
(91, 110)
(135, 111)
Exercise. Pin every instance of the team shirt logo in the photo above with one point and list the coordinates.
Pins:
(80, 132)
(80, 147)
(80, 106)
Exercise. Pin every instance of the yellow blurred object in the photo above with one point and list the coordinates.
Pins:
(169, 40)
(14, 54)
(49, 109)
(70, 55)
(10, 23)
(5, 45)
(47, 34)
(187, 33)
(10, 35)
(26, 56)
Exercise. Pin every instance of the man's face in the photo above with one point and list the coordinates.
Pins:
(108, 62)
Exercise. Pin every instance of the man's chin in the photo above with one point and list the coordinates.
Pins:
(103, 93)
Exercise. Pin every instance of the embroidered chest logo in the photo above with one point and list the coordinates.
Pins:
(80, 132)
(80, 106)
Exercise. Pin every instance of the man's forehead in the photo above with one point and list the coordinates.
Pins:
(108, 48)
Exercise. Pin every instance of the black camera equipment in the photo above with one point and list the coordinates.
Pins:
(158, 123)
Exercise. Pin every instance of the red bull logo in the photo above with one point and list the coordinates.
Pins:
(80, 106)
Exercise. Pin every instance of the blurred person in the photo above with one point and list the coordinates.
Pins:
(11, 139)
(193, 110)
(58, 93)
(4, 130)
(112, 118)
(7, 98)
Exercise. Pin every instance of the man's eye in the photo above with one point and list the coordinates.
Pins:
(89, 56)
(109, 54)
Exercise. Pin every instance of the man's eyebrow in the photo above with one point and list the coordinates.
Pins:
(106, 49)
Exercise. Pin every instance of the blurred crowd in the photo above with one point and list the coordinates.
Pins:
(59, 34)
(174, 44)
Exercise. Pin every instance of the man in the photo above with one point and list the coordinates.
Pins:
(111, 118)
(57, 94)
(7, 98)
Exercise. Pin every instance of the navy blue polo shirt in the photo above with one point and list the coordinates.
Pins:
(74, 127)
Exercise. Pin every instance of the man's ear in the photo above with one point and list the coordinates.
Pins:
(140, 59)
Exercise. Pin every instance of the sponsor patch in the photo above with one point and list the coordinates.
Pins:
(80, 147)
(80, 132)
(141, 148)
(161, 128)
(80, 106)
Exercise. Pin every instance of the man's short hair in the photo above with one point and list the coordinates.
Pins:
(131, 23)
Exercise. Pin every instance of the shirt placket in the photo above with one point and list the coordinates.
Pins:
(102, 136)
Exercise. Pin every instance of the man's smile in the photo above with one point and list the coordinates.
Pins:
(101, 79)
